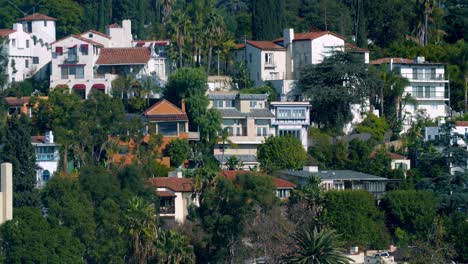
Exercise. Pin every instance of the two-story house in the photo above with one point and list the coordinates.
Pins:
(428, 85)
(47, 158)
(28, 47)
(93, 60)
(247, 119)
(291, 119)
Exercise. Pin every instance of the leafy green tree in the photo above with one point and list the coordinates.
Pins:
(31, 238)
(241, 76)
(68, 12)
(375, 126)
(18, 150)
(279, 153)
(234, 163)
(318, 247)
(179, 26)
(267, 23)
(340, 80)
(413, 211)
(354, 215)
(3, 65)
(215, 32)
(178, 150)
(174, 248)
(99, 183)
(272, 95)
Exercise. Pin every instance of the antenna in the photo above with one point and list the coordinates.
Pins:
(21, 10)
(34, 7)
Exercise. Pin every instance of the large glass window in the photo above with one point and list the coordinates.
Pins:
(76, 71)
(257, 104)
(262, 127)
(167, 128)
(182, 127)
(291, 113)
(268, 58)
(223, 103)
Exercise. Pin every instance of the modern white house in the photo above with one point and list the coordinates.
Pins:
(428, 85)
(291, 119)
(248, 121)
(47, 158)
(28, 47)
(176, 194)
(93, 60)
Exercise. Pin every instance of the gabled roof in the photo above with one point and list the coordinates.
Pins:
(97, 33)
(391, 155)
(79, 38)
(353, 48)
(6, 32)
(265, 45)
(312, 35)
(395, 60)
(279, 183)
(173, 183)
(124, 56)
(164, 110)
(37, 16)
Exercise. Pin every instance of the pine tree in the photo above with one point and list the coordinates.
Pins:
(18, 150)
(267, 19)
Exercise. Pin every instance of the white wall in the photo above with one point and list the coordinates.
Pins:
(324, 45)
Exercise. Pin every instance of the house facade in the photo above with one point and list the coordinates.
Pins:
(47, 158)
(23, 105)
(248, 122)
(291, 119)
(28, 47)
(428, 85)
(92, 60)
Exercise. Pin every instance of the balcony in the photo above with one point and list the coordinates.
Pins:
(438, 95)
(195, 136)
(167, 210)
(71, 58)
(424, 76)
(46, 157)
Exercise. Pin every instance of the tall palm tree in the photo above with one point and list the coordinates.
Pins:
(174, 248)
(314, 247)
(141, 227)
(179, 26)
(214, 34)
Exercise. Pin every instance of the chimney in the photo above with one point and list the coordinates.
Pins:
(49, 137)
(6, 192)
(182, 105)
(391, 64)
(420, 59)
(18, 27)
(288, 37)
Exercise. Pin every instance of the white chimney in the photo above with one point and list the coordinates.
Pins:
(311, 169)
(288, 37)
(18, 27)
(49, 137)
(420, 59)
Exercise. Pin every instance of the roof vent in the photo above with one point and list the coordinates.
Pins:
(420, 59)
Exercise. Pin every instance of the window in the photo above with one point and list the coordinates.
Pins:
(13, 42)
(59, 50)
(250, 57)
(298, 113)
(290, 133)
(64, 73)
(233, 127)
(90, 35)
(223, 103)
(26, 63)
(182, 127)
(45, 23)
(45, 175)
(282, 193)
(84, 49)
(257, 104)
(35, 60)
(167, 128)
(262, 127)
(76, 71)
(268, 59)
(160, 67)
(27, 43)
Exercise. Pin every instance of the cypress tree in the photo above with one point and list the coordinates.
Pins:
(267, 19)
(18, 150)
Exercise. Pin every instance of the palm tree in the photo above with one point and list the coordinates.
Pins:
(224, 139)
(141, 227)
(174, 248)
(314, 247)
(214, 33)
(179, 26)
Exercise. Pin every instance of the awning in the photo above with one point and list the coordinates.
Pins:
(79, 86)
(165, 194)
(99, 86)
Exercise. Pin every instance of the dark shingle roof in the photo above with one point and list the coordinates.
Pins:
(233, 112)
(217, 96)
(336, 175)
(253, 96)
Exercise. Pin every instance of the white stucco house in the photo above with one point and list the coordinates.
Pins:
(176, 194)
(291, 119)
(93, 60)
(428, 85)
(28, 47)
(47, 158)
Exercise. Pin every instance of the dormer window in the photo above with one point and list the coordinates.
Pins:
(90, 35)
(257, 104)
(45, 23)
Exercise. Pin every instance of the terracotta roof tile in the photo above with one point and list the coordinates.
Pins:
(38, 139)
(279, 183)
(165, 194)
(37, 16)
(391, 155)
(95, 43)
(97, 33)
(173, 183)
(6, 32)
(119, 56)
(461, 123)
(164, 110)
(395, 60)
(265, 45)
(312, 35)
(15, 101)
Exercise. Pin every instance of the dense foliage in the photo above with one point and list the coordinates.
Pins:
(278, 153)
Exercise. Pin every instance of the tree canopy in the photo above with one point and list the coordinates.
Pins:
(278, 153)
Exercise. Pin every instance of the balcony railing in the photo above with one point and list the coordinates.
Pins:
(167, 209)
(424, 76)
(46, 157)
(432, 95)
(71, 58)
(270, 64)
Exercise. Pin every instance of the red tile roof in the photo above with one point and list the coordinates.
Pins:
(395, 60)
(279, 183)
(173, 183)
(115, 25)
(167, 112)
(265, 45)
(124, 56)
(461, 123)
(15, 101)
(37, 16)
(239, 46)
(312, 35)
(391, 155)
(97, 33)
(6, 32)
(38, 139)
(165, 194)
(80, 38)
(353, 48)
(156, 42)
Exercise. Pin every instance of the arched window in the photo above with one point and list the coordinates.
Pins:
(45, 175)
